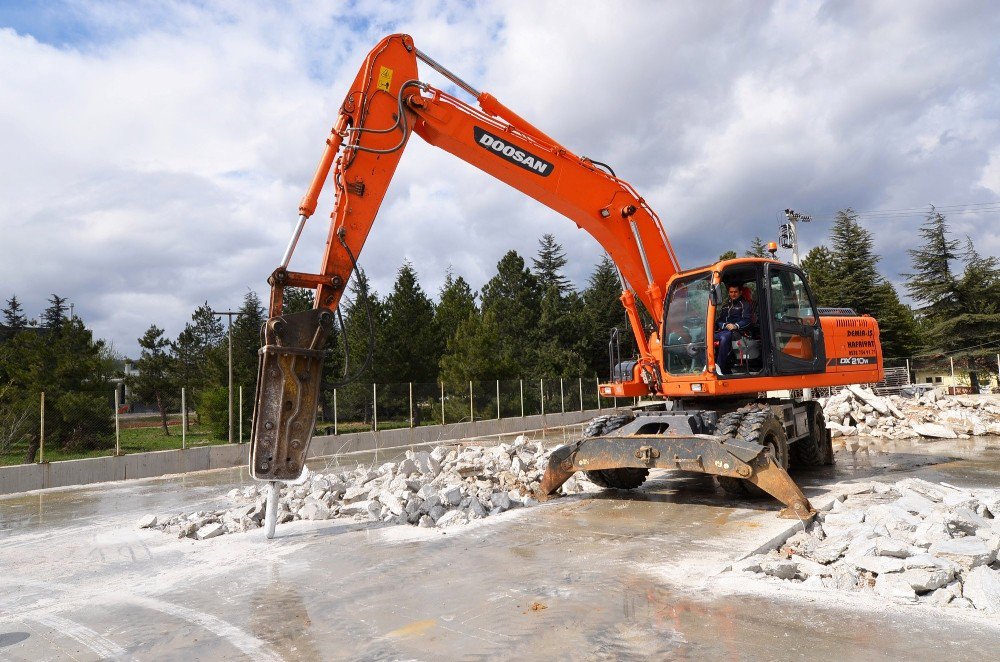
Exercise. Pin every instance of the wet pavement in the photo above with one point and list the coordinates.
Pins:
(604, 576)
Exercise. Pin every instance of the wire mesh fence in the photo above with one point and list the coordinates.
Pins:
(54, 426)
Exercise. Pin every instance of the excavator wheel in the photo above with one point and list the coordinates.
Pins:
(759, 425)
(816, 450)
(617, 479)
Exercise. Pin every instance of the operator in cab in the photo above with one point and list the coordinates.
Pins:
(731, 318)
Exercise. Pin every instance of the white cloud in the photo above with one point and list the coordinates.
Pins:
(155, 160)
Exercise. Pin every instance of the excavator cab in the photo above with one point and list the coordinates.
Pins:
(785, 336)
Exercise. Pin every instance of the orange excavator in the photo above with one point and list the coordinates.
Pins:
(700, 416)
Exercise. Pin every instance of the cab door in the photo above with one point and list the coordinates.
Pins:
(795, 332)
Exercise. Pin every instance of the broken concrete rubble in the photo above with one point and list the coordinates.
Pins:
(447, 486)
(909, 542)
(858, 411)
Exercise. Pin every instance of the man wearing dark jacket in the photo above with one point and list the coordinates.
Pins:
(731, 318)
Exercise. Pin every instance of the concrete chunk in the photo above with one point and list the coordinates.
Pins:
(209, 531)
(147, 521)
(982, 588)
(922, 580)
(891, 547)
(896, 587)
(451, 518)
(966, 552)
(779, 569)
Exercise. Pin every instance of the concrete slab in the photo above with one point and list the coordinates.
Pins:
(611, 575)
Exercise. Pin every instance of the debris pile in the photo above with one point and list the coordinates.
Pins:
(911, 542)
(447, 486)
(856, 410)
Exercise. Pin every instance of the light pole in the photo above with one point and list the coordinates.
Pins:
(788, 236)
(229, 314)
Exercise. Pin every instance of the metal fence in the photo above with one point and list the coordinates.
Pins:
(59, 426)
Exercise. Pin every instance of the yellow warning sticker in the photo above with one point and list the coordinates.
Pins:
(384, 78)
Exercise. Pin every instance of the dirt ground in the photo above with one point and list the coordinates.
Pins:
(604, 576)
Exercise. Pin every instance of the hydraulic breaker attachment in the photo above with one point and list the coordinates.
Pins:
(288, 380)
(700, 453)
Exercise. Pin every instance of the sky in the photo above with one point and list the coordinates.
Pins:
(154, 154)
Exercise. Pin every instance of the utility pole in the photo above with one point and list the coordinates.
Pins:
(229, 314)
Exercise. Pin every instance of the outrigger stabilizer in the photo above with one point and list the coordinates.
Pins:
(700, 453)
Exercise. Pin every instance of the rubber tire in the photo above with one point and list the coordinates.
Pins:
(760, 426)
(816, 450)
(729, 426)
(615, 479)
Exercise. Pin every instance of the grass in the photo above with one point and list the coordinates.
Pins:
(133, 440)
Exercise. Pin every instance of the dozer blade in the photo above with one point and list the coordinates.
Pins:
(707, 454)
(288, 381)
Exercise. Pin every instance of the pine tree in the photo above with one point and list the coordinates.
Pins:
(54, 316)
(548, 265)
(855, 268)
(477, 352)
(728, 255)
(974, 333)
(297, 300)
(154, 370)
(603, 311)
(513, 298)
(757, 248)
(413, 349)
(456, 303)
(13, 315)
(933, 282)
(818, 266)
(246, 342)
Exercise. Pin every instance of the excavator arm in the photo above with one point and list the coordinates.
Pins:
(386, 103)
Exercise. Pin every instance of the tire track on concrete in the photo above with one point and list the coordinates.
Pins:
(81, 634)
(253, 647)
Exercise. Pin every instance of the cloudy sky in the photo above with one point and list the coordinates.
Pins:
(154, 154)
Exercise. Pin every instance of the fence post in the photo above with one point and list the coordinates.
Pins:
(335, 412)
(184, 418)
(522, 395)
(908, 380)
(597, 385)
(541, 391)
(580, 386)
(41, 432)
(998, 370)
(375, 407)
(442, 402)
(118, 440)
(498, 399)
(241, 413)
(411, 404)
(953, 384)
(562, 397)
(472, 412)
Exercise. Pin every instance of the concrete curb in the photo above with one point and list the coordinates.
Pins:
(30, 477)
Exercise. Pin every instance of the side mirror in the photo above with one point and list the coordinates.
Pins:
(717, 294)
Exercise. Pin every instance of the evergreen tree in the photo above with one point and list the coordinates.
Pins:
(354, 398)
(54, 316)
(477, 352)
(414, 348)
(456, 303)
(855, 269)
(818, 266)
(603, 311)
(513, 298)
(757, 248)
(974, 333)
(246, 343)
(297, 300)
(13, 315)
(932, 282)
(728, 255)
(560, 348)
(548, 265)
(154, 371)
